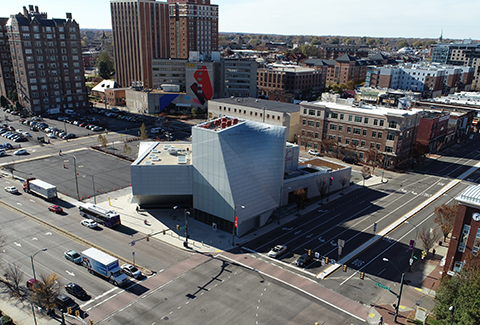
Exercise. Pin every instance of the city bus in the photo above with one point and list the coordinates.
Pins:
(100, 214)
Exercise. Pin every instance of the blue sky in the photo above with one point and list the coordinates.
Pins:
(405, 18)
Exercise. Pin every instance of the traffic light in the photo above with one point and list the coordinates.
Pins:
(77, 313)
(309, 252)
(362, 275)
(148, 237)
(164, 231)
(69, 310)
(178, 227)
(344, 267)
(326, 260)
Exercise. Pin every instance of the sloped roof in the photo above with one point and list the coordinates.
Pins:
(346, 58)
(470, 196)
(378, 56)
(105, 84)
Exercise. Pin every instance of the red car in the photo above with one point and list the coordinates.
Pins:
(55, 208)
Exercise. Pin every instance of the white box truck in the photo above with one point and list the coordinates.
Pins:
(40, 188)
(100, 263)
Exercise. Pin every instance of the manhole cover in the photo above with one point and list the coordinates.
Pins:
(165, 318)
(203, 310)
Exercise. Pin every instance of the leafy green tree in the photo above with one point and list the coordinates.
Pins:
(371, 42)
(105, 65)
(12, 95)
(460, 294)
(335, 40)
(401, 44)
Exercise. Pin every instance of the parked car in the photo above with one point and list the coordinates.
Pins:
(31, 284)
(51, 135)
(89, 223)
(73, 256)
(304, 260)
(11, 189)
(131, 270)
(314, 152)
(277, 251)
(348, 160)
(55, 208)
(75, 290)
(20, 152)
(8, 145)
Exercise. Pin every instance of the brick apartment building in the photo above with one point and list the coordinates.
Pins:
(47, 65)
(346, 67)
(289, 83)
(465, 239)
(430, 80)
(147, 30)
(7, 77)
(357, 129)
(462, 53)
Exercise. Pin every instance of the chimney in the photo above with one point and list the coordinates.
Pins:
(36, 10)
(25, 12)
(69, 15)
(30, 8)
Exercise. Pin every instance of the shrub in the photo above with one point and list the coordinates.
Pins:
(6, 320)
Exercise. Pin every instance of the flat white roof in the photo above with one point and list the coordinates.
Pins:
(167, 153)
(367, 109)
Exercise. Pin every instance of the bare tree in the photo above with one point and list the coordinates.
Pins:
(299, 197)
(365, 173)
(445, 218)
(322, 186)
(343, 181)
(102, 140)
(126, 149)
(14, 278)
(46, 290)
(429, 236)
(143, 132)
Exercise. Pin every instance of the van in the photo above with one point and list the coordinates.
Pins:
(69, 111)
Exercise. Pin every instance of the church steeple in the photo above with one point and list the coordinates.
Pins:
(440, 39)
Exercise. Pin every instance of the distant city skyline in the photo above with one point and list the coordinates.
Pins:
(374, 18)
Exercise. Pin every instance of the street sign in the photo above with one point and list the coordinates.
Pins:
(411, 245)
(341, 243)
(317, 255)
(382, 286)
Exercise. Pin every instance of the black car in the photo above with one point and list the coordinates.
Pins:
(63, 302)
(348, 160)
(304, 260)
(75, 290)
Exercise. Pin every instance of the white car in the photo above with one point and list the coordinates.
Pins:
(277, 251)
(131, 270)
(20, 152)
(156, 130)
(11, 189)
(314, 152)
(51, 135)
(89, 223)
(27, 134)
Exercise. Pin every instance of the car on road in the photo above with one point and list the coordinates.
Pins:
(20, 152)
(277, 251)
(314, 152)
(64, 302)
(75, 290)
(304, 260)
(11, 189)
(30, 284)
(55, 208)
(89, 223)
(131, 270)
(73, 256)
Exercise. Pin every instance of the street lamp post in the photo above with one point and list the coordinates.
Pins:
(235, 217)
(35, 277)
(93, 183)
(76, 178)
(401, 288)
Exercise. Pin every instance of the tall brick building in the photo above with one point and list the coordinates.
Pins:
(47, 61)
(148, 30)
(7, 77)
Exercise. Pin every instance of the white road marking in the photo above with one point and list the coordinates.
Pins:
(17, 244)
(70, 273)
(34, 238)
